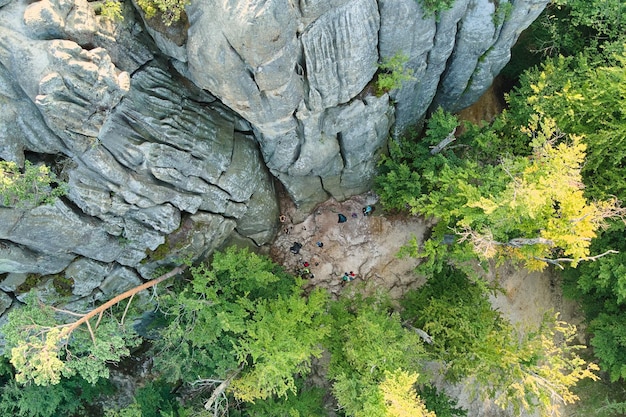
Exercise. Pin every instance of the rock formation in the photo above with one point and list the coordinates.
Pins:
(172, 138)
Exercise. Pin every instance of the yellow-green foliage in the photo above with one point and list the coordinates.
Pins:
(112, 9)
(170, 11)
(401, 400)
(43, 349)
(528, 206)
(33, 186)
(544, 199)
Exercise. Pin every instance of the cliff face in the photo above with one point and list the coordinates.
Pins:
(170, 138)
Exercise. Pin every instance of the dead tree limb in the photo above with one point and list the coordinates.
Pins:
(219, 390)
(421, 333)
(558, 261)
(521, 241)
(445, 142)
(84, 318)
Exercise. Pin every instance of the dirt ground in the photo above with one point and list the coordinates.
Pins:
(364, 245)
(368, 247)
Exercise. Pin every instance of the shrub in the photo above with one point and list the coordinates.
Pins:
(393, 73)
(36, 185)
(169, 10)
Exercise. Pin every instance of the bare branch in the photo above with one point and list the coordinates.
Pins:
(130, 300)
(558, 261)
(421, 333)
(445, 142)
(60, 310)
(219, 390)
(130, 293)
(206, 382)
(522, 241)
(99, 319)
(93, 336)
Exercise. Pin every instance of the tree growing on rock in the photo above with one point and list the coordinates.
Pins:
(45, 343)
(530, 207)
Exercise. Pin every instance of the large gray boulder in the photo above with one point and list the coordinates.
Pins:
(170, 138)
(156, 168)
(286, 66)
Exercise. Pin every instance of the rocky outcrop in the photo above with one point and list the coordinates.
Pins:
(170, 137)
(287, 66)
(157, 169)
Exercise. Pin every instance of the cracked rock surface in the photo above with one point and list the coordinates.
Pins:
(172, 139)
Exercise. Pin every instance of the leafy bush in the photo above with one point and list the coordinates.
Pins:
(36, 185)
(111, 9)
(170, 11)
(433, 7)
(393, 73)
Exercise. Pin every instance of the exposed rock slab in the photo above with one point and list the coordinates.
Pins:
(167, 159)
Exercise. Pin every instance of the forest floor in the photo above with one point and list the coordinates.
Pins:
(368, 246)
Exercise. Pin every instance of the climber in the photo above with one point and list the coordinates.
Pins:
(295, 249)
(342, 218)
(367, 210)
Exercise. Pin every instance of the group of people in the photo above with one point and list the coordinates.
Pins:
(367, 210)
(305, 271)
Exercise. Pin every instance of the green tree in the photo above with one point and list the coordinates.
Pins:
(568, 27)
(440, 403)
(242, 326)
(586, 100)
(45, 343)
(600, 288)
(533, 371)
(529, 208)
(373, 358)
(586, 97)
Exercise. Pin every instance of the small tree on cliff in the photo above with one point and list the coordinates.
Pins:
(45, 343)
(33, 185)
(529, 208)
